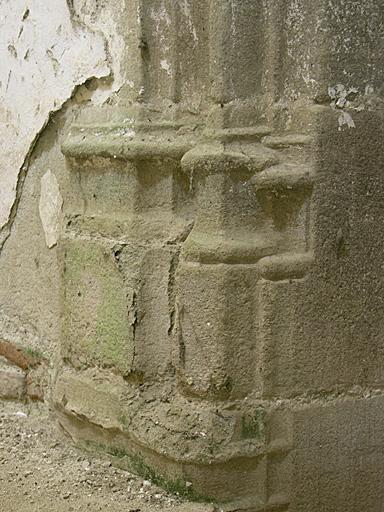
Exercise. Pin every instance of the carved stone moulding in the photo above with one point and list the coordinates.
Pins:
(222, 270)
(169, 234)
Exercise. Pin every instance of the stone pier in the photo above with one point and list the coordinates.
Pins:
(222, 256)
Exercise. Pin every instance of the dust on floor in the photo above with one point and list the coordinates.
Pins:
(42, 471)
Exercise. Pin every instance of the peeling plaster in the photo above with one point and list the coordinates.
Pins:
(166, 66)
(340, 95)
(349, 100)
(44, 56)
(104, 16)
(50, 206)
(346, 119)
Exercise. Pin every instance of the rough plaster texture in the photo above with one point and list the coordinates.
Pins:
(216, 292)
(33, 35)
(42, 49)
(28, 269)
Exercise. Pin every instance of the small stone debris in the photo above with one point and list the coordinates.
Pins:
(41, 471)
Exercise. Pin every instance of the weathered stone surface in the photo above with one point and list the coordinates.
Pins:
(37, 383)
(221, 253)
(269, 309)
(12, 383)
(98, 324)
(22, 372)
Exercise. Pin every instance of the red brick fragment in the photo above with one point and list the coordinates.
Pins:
(17, 355)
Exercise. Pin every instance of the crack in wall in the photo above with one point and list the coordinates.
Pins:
(172, 290)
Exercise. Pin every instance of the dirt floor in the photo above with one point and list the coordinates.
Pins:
(41, 471)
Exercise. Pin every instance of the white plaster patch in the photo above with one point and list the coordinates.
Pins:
(50, 206)
(341, 99)
(166, 66)
(345, 119)
(44, 55)
(105, 17)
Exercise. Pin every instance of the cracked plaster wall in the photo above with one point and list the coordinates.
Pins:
(56, 58)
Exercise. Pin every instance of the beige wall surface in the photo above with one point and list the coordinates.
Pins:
(52, 57)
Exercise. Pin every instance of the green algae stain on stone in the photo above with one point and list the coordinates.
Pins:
(253, 425)
(135, 463)
(96, 317)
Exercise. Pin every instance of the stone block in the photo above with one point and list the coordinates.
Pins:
(217, 333)
(12, 384)
(99, 311)
(36, 383)
(338, 456)
(222, 259)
